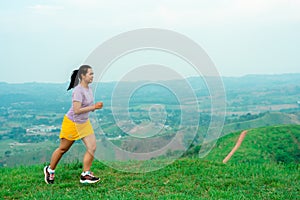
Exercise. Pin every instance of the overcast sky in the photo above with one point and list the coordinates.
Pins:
(43, 41)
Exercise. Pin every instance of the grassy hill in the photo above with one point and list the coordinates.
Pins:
(276, 144)
(268, 119)
(256, 171)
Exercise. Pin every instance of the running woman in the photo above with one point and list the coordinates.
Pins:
(76, 125)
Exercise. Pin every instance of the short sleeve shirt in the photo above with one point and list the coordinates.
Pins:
(85, 96)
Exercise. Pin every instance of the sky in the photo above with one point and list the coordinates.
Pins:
(43, 41)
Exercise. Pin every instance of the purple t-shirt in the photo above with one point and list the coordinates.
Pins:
(85, 96)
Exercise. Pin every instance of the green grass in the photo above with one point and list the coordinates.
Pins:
(266, 166)
(276, 144)
(186, 178)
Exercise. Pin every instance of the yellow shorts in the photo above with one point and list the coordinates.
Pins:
(75, 131)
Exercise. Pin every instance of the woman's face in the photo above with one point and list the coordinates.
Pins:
(89, 76)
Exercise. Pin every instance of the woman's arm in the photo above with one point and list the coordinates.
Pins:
(79, 110)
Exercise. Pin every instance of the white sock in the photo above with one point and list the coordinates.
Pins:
(50, 170)
(85, 173)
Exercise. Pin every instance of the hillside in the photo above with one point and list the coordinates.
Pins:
(267, 119)
(276, 144)
(184, 179)
(265, 167)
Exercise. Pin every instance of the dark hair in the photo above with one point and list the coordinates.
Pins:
(76, 75)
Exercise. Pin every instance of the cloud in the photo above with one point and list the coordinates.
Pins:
(193, 13)
(267, 9)
(114, 15)
(165, 13)
(45, 9)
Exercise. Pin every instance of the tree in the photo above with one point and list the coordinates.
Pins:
(7, 153)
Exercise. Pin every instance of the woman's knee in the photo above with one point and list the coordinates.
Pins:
(90, 143)
(65, 145)
(63, 150)
(92, 148)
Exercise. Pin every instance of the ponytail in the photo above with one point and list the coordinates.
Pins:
(74, 80)
(76, 75)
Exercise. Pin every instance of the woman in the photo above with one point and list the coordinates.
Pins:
(76, 125)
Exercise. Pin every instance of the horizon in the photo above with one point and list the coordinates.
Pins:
(133, 81)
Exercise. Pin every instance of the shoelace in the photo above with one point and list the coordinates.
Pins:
(51, 177)
(91, 174)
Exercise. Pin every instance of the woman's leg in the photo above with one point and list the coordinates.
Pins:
(58, 153)
(90, 143)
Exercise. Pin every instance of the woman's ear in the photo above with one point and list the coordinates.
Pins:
(80, 77)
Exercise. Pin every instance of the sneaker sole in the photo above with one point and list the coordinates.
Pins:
(45, 173)
(88, 181)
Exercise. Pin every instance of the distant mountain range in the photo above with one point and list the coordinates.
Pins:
(249, 90)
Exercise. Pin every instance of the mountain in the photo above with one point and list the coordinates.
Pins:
(250, 90)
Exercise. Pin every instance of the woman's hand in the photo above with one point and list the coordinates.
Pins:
(98, 105)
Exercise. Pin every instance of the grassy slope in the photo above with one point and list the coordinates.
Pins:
(246, 176)
(269, 119)
(262, 145)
